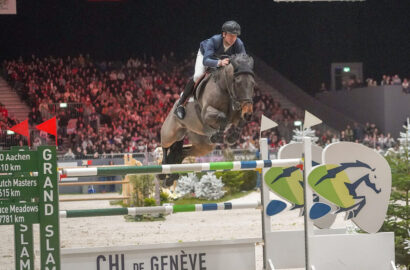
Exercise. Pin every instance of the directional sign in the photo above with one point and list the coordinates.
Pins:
(18, 161)
(18, 187)
(18, 213)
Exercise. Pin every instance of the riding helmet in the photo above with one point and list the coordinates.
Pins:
(231, 27)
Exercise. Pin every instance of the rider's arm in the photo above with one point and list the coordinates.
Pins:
(209, 47)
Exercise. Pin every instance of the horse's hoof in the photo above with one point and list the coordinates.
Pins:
(232, 138)
(180, 112)
(217, 138)
(169, 181)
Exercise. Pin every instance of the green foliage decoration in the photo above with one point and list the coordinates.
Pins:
(398, 212)
(142, 187)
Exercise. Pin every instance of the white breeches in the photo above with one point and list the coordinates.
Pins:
(199, 66)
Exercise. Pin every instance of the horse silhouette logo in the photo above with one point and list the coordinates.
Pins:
(355, 179)
(287, 183)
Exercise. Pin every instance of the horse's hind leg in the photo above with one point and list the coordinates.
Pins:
(176, 155)
(171, 131)
(164, 155)
(164, 161)
(170, 156)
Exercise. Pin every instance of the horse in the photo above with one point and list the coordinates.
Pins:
(223, 102)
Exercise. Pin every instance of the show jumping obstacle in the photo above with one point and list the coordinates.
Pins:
(313, 249)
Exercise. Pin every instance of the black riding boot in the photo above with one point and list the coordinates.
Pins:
(180, 109)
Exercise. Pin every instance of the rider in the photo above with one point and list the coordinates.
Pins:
(209, 51)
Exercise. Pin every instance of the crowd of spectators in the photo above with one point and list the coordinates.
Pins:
(391, 80)
(122, 104)
(370, 82)
(119, 107)
(368, 135)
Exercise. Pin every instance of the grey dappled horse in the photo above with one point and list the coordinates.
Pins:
(222, 103)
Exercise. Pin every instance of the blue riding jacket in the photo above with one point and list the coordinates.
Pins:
(212, 48)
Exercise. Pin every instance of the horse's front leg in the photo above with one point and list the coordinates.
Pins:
(234, 132)
(217, 120)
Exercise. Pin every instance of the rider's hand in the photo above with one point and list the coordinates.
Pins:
(223, 62)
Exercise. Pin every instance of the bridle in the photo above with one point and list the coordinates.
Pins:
(235, 102)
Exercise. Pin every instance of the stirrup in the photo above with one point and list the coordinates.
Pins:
(180, 112)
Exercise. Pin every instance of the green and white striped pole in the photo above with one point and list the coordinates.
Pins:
(168, 209)
(179, 168)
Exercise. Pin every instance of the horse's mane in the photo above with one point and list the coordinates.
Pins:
(240, 62)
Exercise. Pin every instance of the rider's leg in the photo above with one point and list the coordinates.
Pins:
(199, 66)
(189, 88)
(180, 109)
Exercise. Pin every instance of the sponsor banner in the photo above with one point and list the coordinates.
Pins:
(227, 255)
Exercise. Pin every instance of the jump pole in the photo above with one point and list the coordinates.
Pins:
(168, 209)
(180, 168)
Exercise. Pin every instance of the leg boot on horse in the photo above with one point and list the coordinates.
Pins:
(232, 135)
(218, 137)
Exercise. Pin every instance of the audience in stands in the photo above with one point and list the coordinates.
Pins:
(391, 80)
(370, 82)
(115, 107)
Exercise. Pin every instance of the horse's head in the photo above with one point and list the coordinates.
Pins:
(242, 88)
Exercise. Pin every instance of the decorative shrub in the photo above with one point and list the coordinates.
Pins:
(398, 213)
(149, 202)
(231, 180)
(209, 187)
(163, 197)
(186, 184)
(249, 178)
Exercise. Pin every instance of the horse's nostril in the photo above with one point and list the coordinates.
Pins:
(248, 116)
